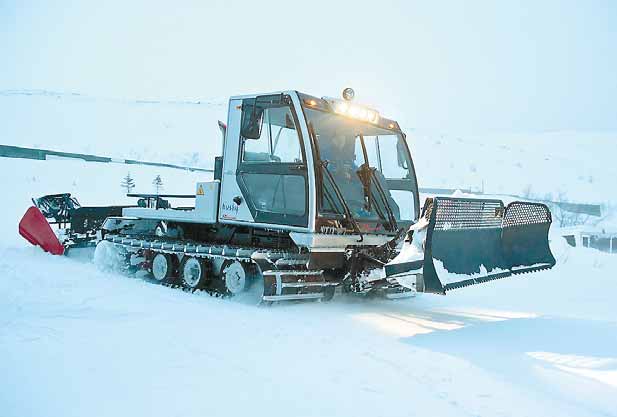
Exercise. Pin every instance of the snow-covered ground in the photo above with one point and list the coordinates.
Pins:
(76, 341)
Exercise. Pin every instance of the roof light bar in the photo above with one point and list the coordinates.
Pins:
(354, 111)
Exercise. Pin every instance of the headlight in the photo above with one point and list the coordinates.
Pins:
(341, 107)
(356, 111)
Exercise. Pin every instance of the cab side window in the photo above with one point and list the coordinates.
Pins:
(279, 141)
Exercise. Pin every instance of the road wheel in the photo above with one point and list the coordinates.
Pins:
(163, 267)
(193, 272)
(234, 277)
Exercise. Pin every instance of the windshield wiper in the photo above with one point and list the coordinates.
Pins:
(364, 172)
(339, 195)
(384, 198)
(368, 177)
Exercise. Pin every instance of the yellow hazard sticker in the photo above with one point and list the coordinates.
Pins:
(200, 190)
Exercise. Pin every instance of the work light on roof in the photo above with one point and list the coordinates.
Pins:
(349, 94)
(354, 111)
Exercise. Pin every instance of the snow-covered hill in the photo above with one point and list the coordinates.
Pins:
(577, 166)
(562, 165)
(175, 131)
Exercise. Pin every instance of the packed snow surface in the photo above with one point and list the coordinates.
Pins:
(78, 341)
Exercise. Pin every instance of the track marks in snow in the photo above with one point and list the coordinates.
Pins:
(455, 355)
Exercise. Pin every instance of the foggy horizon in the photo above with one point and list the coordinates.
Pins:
(444, 66)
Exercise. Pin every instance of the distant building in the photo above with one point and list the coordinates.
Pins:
(601, 234)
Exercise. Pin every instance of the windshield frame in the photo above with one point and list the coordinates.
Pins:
(386, 124)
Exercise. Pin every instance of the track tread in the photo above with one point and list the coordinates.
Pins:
(481, 280)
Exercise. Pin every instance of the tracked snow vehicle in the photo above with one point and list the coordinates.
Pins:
(312, 194)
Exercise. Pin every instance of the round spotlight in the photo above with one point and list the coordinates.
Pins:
(348, 94)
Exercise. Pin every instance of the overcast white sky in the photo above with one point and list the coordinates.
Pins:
(450, 65)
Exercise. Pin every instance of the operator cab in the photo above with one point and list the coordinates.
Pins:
(317, 165)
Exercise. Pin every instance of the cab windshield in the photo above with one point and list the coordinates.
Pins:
(369, 166)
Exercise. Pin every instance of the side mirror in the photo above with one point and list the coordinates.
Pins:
(223, 129)
(253, 111)
(252, 119)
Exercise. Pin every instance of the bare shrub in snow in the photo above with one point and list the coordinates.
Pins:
(157, 182)
(566, 217)
(128, 182)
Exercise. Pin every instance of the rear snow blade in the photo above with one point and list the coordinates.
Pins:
(36, 230)
(470, 241)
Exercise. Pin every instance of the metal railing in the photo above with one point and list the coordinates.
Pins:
(8, 151)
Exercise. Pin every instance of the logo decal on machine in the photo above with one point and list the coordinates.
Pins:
(332, 230)
(230, 207)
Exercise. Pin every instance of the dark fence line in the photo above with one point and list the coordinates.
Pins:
(43, 154)
(577, 208)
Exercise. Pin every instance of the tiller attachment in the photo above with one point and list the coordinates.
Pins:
(36, 230)
(77, 226)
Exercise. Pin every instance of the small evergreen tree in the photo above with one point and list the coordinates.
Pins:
(158, 184)
(128, 183)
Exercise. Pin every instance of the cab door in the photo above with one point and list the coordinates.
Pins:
(272, 168)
